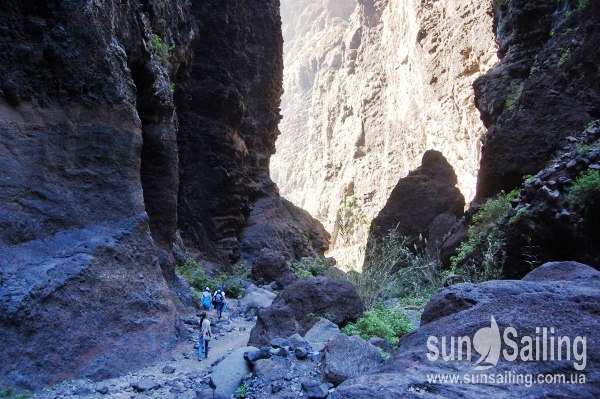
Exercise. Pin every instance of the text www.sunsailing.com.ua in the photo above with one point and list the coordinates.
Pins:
(506, 378)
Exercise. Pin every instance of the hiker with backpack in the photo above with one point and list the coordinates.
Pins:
(219, 300)
(205, 336)
(206, 299)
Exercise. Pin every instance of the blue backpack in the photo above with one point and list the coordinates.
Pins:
(219, 297)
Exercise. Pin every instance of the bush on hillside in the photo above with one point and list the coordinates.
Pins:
(381, 322)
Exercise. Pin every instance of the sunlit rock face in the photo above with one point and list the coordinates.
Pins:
(369, 87)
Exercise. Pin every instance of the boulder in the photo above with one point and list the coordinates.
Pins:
(227, 375)
(416, 201)
(320, 333)
(255, 298)
(348, 357)
(278, 225)
(271, 266)
(297, 307)
(562, 295)
(273, 369)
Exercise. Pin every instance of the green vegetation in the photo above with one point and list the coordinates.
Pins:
(382, 322)
(583, 3)
(514, 93)
(196, 276)
(391, 269)
(591, 124)
(9, 393)
(564, 57)
(241, 391)
(582, 148)
(310, 267)
(384, 355)
(585, 188)
(160, 50)
(350, 217)
(521, 211)
(483, 233)
(198, 280)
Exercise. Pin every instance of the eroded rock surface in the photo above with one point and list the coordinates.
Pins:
(561, 295)
(299, 305)
(369, 87)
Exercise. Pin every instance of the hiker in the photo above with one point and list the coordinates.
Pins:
(206, 299)
(205, 336)
(219, 301)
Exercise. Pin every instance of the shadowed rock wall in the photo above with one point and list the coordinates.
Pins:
(83, 97)
(99, 167)
(228, 106)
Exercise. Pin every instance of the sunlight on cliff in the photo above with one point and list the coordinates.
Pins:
(368, 89)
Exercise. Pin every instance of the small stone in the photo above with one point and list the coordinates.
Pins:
(168, 369)
(281, 352)
(144, 385)
(308, 384)
(276, 387)
(318, 392)
(571, 164)
(301, 353)
(101, 388)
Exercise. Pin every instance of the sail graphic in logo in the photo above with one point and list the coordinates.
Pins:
(487, 343)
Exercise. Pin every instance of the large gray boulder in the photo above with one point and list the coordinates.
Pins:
(320, 333)
(564, 296)
(347, 357)
(255, 298)
(227, 375)
(299, 305)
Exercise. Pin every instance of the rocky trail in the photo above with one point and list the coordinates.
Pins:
(180, 376)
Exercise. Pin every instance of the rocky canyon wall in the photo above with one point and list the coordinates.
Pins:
(80, 276)
(227, 102)
(125, 125)
(369, 87)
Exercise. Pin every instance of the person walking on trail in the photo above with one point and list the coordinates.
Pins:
(205, 336)
(219, 300)
(206, 299)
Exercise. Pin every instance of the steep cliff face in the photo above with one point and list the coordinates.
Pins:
(228, 107)
(84, 100)
(369, 87)
(541, 107)
(104, 157)
(545, 89)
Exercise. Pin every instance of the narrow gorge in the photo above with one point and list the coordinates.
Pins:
(369, 86)
(152, 148)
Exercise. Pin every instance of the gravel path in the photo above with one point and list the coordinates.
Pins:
(182, 376)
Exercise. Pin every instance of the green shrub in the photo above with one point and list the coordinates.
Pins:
(378, 278)
(302, 273)
(310, 267)
(585, 188)
(391, 269)
(241, 391)
(514, 93)
(564, 57)
(350, 218)
(484, 235)
(233, 290)
(160, 50)
(195, 276)
(242, 270)
(521, 211)
(382, 322)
